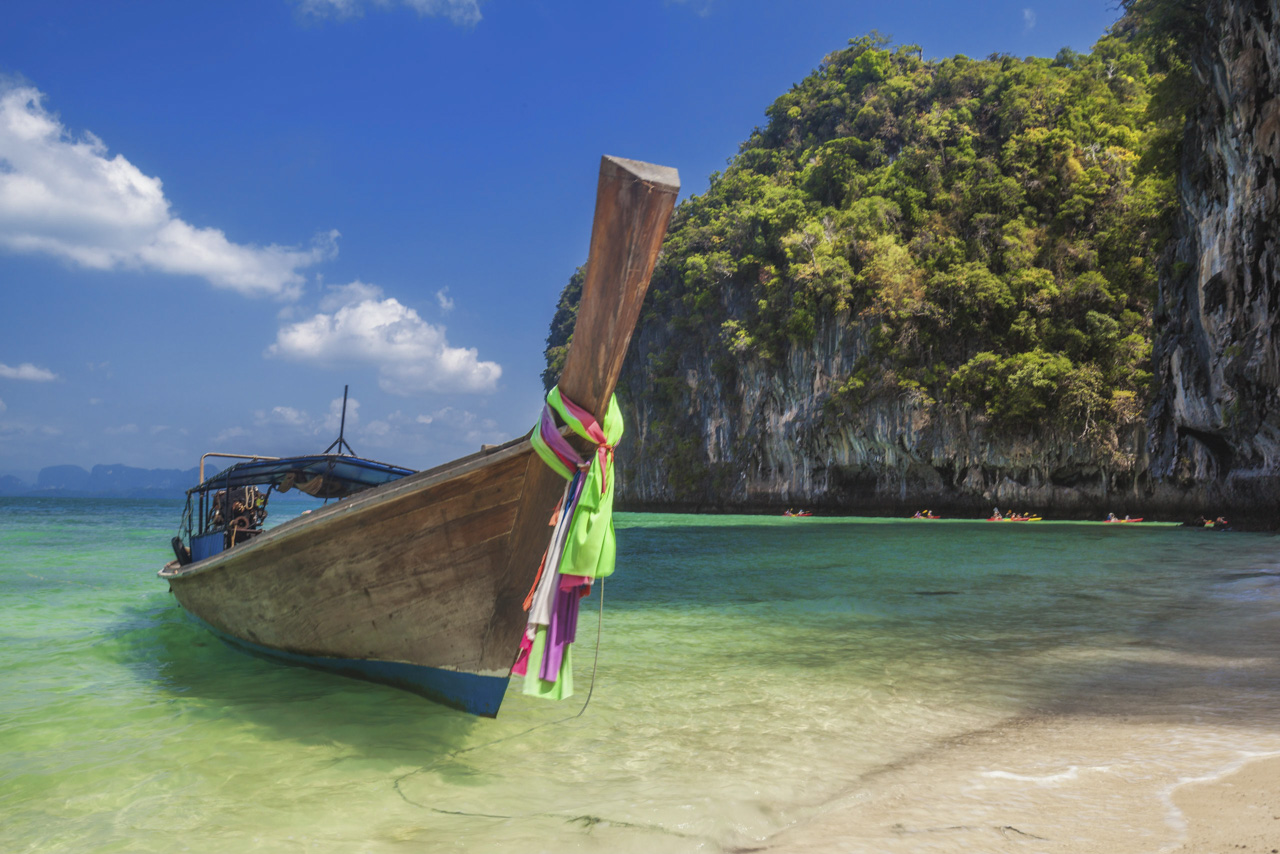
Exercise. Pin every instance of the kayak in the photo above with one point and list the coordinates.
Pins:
(1015, 519)
(1110, 521)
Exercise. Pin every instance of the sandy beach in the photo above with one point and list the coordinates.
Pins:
(1089, 790)
(1239, 811)
(1172, 749)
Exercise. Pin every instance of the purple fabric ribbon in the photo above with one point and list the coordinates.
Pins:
(563, 629)
(557, 443)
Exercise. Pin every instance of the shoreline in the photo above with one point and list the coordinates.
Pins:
(1173, 750)
(1061, 785)
(1238, 521)
(1237, 810)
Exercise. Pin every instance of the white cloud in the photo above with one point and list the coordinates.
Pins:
(122, 430)
(27, 371)
(340, 295)
(462, 12)
(284, 415)
(412, 356)
(298, 421)
(333, 422)
(64, 196)
(230, 433)
(446, 433)
(404, 438)
(464, 425)
(285, 430)
(446, 302)
(2, 406)
(1028, 20)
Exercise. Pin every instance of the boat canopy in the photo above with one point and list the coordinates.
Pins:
(320, 475)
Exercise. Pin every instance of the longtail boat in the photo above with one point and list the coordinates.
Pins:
(417, 579)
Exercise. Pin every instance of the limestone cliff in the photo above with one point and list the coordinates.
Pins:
(1216, 424)
(758, 436)
(923, 285)
(843, 322)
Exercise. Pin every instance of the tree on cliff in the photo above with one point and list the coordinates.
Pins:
(984, 223)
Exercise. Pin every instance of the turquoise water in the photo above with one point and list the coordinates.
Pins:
(757, 679)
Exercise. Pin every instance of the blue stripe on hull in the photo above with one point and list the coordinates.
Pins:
(470, 692)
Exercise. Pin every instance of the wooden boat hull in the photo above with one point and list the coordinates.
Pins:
(394, 585)
(471, 692)
(420, 583)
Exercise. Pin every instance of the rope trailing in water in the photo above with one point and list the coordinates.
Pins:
(583, 549)
(587, 821)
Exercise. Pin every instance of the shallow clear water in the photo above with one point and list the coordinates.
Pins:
(757, 679)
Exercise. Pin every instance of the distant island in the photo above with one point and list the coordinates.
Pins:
(102, 481)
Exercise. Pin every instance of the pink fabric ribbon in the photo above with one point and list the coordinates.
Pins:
(604, 451)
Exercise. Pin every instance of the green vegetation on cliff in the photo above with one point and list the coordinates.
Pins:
(989, 225)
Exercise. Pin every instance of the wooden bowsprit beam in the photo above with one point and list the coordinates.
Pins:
(634, 201)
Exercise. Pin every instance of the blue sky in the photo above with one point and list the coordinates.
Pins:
(215, 215)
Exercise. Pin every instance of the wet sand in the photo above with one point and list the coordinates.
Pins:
(1238, 812)
(1060, 786)
(1173, 750)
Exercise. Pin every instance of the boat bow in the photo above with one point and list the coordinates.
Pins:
(421, 582)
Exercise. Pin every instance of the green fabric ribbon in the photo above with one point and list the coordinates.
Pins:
(591, 545)
(535, 686)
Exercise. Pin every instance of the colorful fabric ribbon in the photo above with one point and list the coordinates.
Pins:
(583, 545)
(590, 547)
